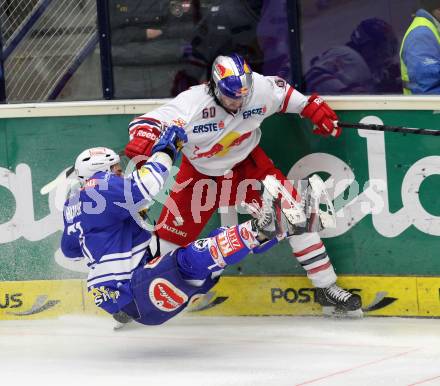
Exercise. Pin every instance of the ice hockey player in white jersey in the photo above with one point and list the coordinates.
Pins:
(222, 121)
(102, 226)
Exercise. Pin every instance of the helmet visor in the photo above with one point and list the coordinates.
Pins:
(234, 87)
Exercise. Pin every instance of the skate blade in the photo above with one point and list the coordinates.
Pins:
(121, 326)
(291, 209)
(333, 312)
(319, 192)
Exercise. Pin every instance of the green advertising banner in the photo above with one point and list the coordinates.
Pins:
(385, 188)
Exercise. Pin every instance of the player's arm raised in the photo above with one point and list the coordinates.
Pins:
(151, 176)
(145, 130)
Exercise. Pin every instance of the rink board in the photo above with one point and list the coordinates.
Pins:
(399, 172)
(245, 295)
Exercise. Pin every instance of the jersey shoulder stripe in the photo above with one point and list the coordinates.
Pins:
(143, 123)
(143, 119)
(286, 99)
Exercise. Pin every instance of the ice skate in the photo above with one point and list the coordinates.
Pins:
(313, 213)
(121, 320)
(338, 302)
(287, 204)
(318, 201)
(276, 216)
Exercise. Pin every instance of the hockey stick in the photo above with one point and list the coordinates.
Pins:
(393, 129)
(64, 175)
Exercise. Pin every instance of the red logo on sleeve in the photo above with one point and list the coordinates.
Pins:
(245, 234)
(214, 252)
(229, 242)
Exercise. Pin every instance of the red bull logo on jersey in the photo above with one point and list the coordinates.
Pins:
(165, 295)
(257, 111)
(223, 147)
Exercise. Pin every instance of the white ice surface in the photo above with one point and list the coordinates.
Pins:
(207, 351)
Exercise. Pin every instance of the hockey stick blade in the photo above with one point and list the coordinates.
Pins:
(393, 129)
(57, 181)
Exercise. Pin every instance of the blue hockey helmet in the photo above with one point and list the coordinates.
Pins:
(232, 77)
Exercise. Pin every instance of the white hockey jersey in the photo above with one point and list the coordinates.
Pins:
(217, 139)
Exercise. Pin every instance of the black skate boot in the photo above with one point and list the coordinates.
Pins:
(336, 301)
(122, 319)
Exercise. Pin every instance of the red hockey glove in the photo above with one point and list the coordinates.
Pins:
(143, 141)
(322, 116)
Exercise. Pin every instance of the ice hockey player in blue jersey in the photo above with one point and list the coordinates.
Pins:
(102, 226)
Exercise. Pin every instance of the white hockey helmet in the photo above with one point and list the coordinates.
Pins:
(96, 159)
(232, 77)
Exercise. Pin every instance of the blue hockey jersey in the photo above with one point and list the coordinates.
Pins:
(102, 225)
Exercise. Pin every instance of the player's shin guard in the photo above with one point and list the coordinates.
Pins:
(310, 252)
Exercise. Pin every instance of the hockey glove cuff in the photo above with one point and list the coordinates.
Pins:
(143, 141)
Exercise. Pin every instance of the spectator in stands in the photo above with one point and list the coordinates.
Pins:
(149, 39)
(420, 51)
(229, 26)
(365, 65)
(322, 4)
(273, 38)
(256, 29)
